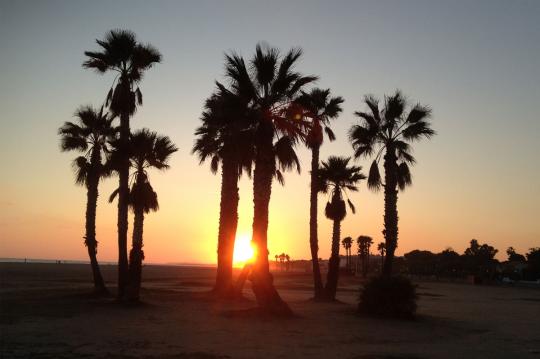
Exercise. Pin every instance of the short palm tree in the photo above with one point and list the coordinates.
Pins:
(90, 135)
(390, 131)
(146, 150)
(347, 244)
(226, 138)
(337, 177)
(381, 247)
(364, 245)
(123, 55)
(318, 107)
(269, 84)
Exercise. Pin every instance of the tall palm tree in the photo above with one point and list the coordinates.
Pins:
(90, 135)
(146, 150)
(336, 176)
(225, 138)
(390, 130)
(381, 247)
(347, 244)
(270, 84)
(319, 108)
(122, 54)
(364, 245)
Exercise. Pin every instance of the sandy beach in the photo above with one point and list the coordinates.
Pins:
(46, 312)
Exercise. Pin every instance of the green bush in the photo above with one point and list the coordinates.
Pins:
(391, 297)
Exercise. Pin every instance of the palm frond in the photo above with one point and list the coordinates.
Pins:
(374, 177)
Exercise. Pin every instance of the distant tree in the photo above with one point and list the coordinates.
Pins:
(90, 135)
(146, 150)
(347, 244)
(449, 263)
(391, 131)
(318, 107)
(421, 262)
(364, 245)
(513, 256)
(480, 259)
(128, 59)
(337, 177)
(533, 264)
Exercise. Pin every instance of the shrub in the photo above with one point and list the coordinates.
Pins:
(391, 297)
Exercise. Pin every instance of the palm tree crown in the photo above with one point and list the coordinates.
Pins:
(121, 53)
(90, 134)
(337, 176)
(320, 108)
(147, 150)
(390, 129)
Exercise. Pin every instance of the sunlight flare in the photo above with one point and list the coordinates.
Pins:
(244, 251)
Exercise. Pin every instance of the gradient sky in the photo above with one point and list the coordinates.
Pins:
(476, 63)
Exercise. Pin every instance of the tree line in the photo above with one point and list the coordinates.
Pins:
(251, 124)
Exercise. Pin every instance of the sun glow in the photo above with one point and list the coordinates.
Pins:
(243, 250)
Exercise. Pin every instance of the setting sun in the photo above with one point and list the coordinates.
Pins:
(243, 250)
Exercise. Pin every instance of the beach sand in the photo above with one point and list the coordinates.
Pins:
(46, 312)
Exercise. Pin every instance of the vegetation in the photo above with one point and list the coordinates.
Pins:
(390, 130)
(381, 247)
(347, 244)
(392, 297)
(364, 245)
(123, 55)
(146, 150)
(336, 177)
(319, 108)
(89, 135)
(226, 138)
(269, 86)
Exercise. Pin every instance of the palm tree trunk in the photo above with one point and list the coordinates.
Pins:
(267, 297)
(136, 256)
(333, 263)
(228, 222)
(313, 238)
(123, 194)
(90, 237)
(390, 209)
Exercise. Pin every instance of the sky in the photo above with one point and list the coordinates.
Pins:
(475, 63)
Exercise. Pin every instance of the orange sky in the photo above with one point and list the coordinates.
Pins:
(478, 178)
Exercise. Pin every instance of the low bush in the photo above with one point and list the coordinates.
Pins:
(390, 297)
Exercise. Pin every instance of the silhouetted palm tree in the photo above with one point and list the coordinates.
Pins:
(381, 247)
(146, 150)
(122, 54)
(336, 176)
(89, 135)
(390, 130)
(270, 85)
(319, 108)
(347, 244)
(364, 245)
(226, 138)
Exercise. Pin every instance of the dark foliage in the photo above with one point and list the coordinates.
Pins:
(389, 297)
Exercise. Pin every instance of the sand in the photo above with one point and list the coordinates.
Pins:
(46, 312)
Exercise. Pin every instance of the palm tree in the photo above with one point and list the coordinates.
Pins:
(390, 130)
(319, 108)
(146, 150)
(226, 139)
(270, 84)
(364, 244)
(347, 244)
(336, 176)
(381, 247)
(89, 135)
(122, 54)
